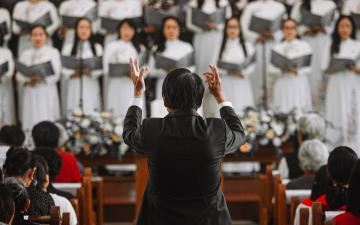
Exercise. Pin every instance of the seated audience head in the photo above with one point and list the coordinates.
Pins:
(52, 158)
(170, 31)
(41, 176)
(46, 134)
(19, 194)
(312, 126)
(353, 202)
(7, 205)
(127, 32)
(312, 155)
(12, 136)
(39, 36)
(20, 164)
(321, 182)
(182, 89)
(340, 164)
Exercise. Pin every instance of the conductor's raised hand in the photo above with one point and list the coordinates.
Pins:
(138, 77)
(213, 81)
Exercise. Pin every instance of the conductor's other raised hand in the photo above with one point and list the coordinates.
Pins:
(138, 77)
(213, 81)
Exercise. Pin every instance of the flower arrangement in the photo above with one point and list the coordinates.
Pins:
(264, 127)
(95, 134)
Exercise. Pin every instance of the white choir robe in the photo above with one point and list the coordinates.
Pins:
(352, 6)
(76, 8)
(40, 102)
(118, 91)
(292, 91)
(316, 78)
(267, 9)
(342, 98)
(119, 10)
(206, 43)
(175, 50)
(91, 88)
(7, 107)
(5, 17)
(30, 12)
(238, 90)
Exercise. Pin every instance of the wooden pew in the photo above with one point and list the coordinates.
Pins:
(65, 220)
(304, 216)
(53, 219)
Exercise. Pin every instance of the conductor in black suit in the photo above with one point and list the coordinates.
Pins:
(184, 150)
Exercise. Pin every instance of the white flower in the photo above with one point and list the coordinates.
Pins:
(85, 123)
(118, 130)
(278, 128)
(264, 141)
(93, 139)
(107, 126)
(276, 142)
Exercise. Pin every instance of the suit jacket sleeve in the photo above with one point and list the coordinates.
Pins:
(234, 132)
(133, 129)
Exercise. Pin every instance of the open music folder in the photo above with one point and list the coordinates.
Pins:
(4, 67)
(199, 18)
(42, 70)
(163, 62)
(93, 63)
(284, 62)
(341, 64)
(356, 17)
(258, 24)
(309, 19)
(70, 21)
(233, 66)
(156, 16)
(119, 69)
(45, 20)
(111, 24)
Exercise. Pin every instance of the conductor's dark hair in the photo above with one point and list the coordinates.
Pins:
(7, 206)
(136, 39)
(183, 89)
(52, 158)
(225, 38)
(12, 135)
(321, 183)
(353, 204)
(336, 39)
(200, 3)
(46, 134)
(340, 164)
(161, 40)
(18, 162)
(92, 38)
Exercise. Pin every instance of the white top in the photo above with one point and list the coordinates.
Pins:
(36, 56)
(76, 8)
(6, 56)
(267, 9)
(3, 151)
(208, 7)
(318, 7)
(87, 53)
(351, 6)
(5, 17)
(27, 11)
(234, 53)
(293, 49)
(65, 207)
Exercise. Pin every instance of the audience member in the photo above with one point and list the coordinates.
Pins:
(10, 136)
(7, 205)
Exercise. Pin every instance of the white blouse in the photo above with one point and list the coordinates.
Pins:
(266, 9)
(76, 8)
(27, 11)
(6, 56)
(5, 17)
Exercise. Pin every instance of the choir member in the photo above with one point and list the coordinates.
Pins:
(234, 50)
(292, 88)
(84, 47)
(30, 11)
(342, 96)
(76, 9)
(352, 8)
(118, 10)
(5, 26)
(316, 36)
(168, 45)
(7, 107)
(269, 10)
(119, 87)
(352, 215)
(39, 98)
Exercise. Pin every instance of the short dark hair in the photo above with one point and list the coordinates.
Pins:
(18, 162)
(340, 163)
(52, 158)
(183, 89)
(46, 134)
(7, 206)
(42, 169)
(12, 135)
(353, 192)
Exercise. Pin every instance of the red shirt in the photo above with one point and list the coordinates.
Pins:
(324, 203)
(307, 202)
(346, 219)
(69, 171)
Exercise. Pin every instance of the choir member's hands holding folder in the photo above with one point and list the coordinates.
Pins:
(342, 64)
(162, 62)
(208, 21)
(316, 23)
(236, 69)
(45, 20)
(35, 74)
(265, 27)
(82, 67)
(290, 65)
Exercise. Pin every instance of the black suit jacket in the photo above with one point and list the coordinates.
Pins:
(184, 154)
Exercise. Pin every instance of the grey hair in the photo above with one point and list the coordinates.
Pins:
(312, 155)
(312, 126)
